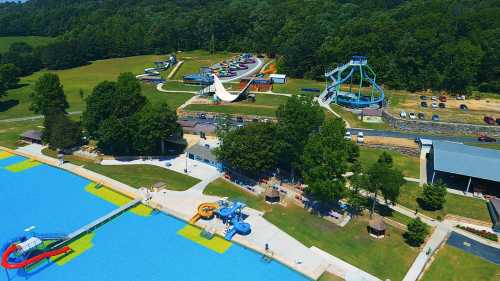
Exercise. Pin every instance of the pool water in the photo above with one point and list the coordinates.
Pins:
(130, 247)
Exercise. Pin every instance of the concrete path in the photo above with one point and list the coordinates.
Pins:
(327, 107)
(34, 117)
(439, 236)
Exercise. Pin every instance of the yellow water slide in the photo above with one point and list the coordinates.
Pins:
(205, 211)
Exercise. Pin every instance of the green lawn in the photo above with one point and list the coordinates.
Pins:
(34, 41)
(136, 175)
(10, 131)
(386, 258)
(455, 204)
(294, 86)
(174, 100)
(485, 145)
(223, 188)
(74, 79)
(179, 86)
(410, 166)
(355, 122)
(452, 264)
(329, 277)
(233, 109)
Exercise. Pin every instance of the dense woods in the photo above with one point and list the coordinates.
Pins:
(414, 45)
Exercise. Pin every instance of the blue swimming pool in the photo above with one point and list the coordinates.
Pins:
(130, 247)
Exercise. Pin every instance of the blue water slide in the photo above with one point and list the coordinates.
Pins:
(231, 211)
(239, 227)
(342, 80)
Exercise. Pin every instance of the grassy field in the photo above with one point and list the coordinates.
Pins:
(294, 86)
(410, 166)
(10, 131)
(135, 175)
(455, 204)
(73, 80)
(355, 122)
(265, 105)
(329, 277)
(485, 145)
(452, 264)
(32, 40)
(174, 100)
(386, 258)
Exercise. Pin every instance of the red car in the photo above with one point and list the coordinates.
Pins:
(442, 98)
(485, 138)
(489, 120)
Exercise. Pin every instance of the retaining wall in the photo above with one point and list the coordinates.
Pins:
(441, 127)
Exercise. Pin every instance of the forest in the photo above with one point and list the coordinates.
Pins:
(414, 45)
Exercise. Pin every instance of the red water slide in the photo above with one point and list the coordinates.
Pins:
(35, 259)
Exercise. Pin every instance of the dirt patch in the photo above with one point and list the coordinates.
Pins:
(372, 140)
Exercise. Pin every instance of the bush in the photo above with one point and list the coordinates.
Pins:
(433, 196)
(482, 233)
(416, 233)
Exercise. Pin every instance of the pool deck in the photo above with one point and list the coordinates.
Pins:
(282, 247)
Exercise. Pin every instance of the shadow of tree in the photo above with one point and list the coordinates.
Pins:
(8, 104)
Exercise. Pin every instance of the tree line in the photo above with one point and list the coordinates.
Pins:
(416, 44)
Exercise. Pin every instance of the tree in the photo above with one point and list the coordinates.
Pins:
(99, 107)
(434, 196)
(156, 123)
(9, 74)
(416, 233)
(251, 150)
(384, 179)
(48, 96)
(116, 136)
(385, 158)
(325, 162)
(224, 125)
(63, 54)
(298, 118)
(64, 133)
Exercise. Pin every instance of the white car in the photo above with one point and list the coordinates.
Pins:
(412, 115)
(361, 137)
(402, 114)
(460, 97)
(347, 135)
(434, 98)
(434, 105)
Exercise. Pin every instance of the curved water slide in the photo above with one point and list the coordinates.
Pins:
(222, 94)
(328, 94)
(21, 264)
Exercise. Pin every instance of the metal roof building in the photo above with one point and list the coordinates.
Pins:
(464, 160)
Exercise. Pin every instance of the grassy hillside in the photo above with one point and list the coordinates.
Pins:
(32, 40)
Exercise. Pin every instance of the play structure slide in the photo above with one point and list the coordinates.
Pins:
(205, 211)
(233, 214)
(23, 263)
(222, 94)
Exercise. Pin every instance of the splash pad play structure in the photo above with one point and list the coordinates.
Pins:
(230, 214)
(341, 88)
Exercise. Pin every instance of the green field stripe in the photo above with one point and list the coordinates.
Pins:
(23, 165)
(216, 244)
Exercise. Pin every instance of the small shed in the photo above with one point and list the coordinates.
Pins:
(272, 195)
(371, 115)
(258, 84)
(377, 227)
(32, 136)
(278, 78)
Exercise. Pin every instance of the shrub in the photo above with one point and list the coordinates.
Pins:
(482, 233)
(434, 196)
(416, 233)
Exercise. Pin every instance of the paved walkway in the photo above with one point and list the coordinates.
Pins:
(34, 117)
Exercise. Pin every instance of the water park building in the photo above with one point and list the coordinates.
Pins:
(203, 153)
(468, 168)
(278, 78)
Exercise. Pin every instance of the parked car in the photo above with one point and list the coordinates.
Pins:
(498, 121)
(423, 104)
(489, 120)
(442, 105)
(423, 97)
(412, 115)
(202, 116)
(421, 116)
(434, 105)
(347, 135)
(434, 98)
(361, 137)
(463, 107)
(442, 98)
(402, 114)
(239, 119)
(485, 138)
(435, 117)
(460, 97)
